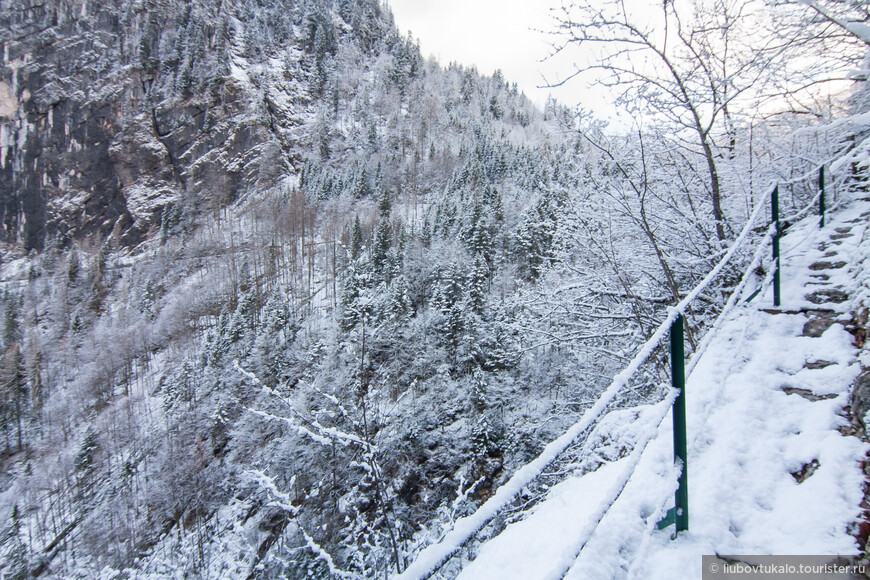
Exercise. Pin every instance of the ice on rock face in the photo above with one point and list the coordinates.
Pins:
(8, 101)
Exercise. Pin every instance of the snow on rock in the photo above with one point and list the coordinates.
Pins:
(758, 414)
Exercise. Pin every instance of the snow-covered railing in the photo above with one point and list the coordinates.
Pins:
(663, 515)
(431, 558)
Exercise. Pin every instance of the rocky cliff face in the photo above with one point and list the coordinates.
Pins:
(109, 111)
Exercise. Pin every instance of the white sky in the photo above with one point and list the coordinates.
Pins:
(510, 35)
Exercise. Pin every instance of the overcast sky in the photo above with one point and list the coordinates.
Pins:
(498, 34)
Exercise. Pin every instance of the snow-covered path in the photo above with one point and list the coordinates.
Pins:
(769, 470)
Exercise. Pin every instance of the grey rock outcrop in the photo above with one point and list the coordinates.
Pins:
(861, 397)
(110, 111)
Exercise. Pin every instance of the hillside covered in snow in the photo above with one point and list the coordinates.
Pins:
(282, 298)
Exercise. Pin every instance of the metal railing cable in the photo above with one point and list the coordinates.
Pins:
(837, 181)
(572, 552)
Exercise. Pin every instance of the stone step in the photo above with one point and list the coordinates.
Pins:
(828, 295)
(822, 265)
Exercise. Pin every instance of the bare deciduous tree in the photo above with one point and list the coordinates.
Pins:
(690, 64)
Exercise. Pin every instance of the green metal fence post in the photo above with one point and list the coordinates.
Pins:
(822, 196)
(679, 514)
(774, 213)
(678, 380)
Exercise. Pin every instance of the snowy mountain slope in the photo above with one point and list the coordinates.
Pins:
(283, 184)
(281, 298)
(769, 470)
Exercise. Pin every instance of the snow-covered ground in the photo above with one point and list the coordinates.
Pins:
(764, 406)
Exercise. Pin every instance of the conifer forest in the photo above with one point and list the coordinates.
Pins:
(281, 297)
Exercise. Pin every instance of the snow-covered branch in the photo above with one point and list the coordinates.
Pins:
(277, 497)
(321, 434)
